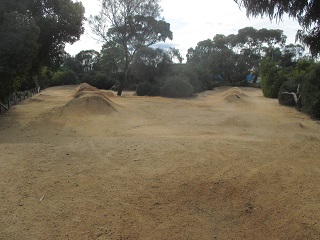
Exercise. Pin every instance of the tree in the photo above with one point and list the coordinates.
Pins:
(149, 64)
(87, 59)
(132, 24)
(111, 58)
(34, 34)
(18, 44)
(175, 54)
(60, 22)
(232, 57)
(306, 12)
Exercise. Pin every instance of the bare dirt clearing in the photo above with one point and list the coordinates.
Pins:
(227, 164)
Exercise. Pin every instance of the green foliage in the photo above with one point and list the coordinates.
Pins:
(132, 25)
(310, 95)
(232, 57)
(65, 77)
(103, 81)
(150, 64)
(272, 78)
(18, 44)
(307, 74)
(176, 87)
(289, 86)
(33, 34)
(44, 77)
(199, 77)
(143, 89)
(205, 77)
(55, 34)
(87, 60)
(306, 12)
(111, 59)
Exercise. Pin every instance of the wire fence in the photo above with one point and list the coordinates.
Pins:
(16, 98)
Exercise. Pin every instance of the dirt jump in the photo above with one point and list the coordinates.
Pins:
(82, 163)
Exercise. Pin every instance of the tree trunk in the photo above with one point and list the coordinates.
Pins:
(121, 86)
(126, 71)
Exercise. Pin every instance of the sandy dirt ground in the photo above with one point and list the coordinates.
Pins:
(78, 163)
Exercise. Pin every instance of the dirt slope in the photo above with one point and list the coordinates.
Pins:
(79, 163)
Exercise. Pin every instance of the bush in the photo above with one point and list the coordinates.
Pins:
(176, 87)
(148, 89)
(272, 78)
(102, 81)
(155, 90)
(143, 89)
(310, 95)
(65, 77)
(287, 87)
(99, 80)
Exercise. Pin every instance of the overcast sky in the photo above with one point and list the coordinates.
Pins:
(193, 21)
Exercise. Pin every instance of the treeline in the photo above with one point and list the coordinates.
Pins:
(33, 35)
(224, 60)
(297, 86)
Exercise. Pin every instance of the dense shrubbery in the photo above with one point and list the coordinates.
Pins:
(285, 97)
(143, 89)
(181, 81)
(64, 77)
(176, 87)
(272, 78)
(307, 74)
(102, 81)
(310, 95)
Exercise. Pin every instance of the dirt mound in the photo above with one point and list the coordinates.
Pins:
(108, 93)
(235, 95)
(92, 102)
(84, 87)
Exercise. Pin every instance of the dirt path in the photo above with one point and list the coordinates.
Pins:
(227, 164)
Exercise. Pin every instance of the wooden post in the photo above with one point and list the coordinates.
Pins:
(3, 106)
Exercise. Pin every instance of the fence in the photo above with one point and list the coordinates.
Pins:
(16, 98)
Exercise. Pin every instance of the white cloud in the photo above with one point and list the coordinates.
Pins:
(193, 21)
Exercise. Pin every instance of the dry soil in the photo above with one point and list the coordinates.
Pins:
(79, 163)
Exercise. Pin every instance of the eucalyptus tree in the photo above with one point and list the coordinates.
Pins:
(60, 22)
(18, 44)
(33, 34)
(132, 24)
(87, 59)
(306, 12)
(149, 64)
(111, 58)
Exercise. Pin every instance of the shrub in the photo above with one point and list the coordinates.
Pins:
(272, 78)
(102, 81)
(148, 89)
(198, 77)
(176, 87)
(64, 77)
(287, 87)
(143, 89)
(310, 95)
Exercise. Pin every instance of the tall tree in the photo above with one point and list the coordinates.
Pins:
(18, 44)
(131, 24)
(306, 12)
(111, 58)
(232, 57)
(34, 34)
(150, 64)
(60, 22)
(87, 59)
